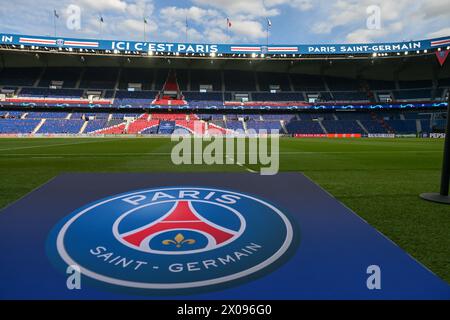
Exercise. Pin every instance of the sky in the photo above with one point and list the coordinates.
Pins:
(292, 21)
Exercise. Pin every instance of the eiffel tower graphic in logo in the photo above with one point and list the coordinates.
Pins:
(181, 217)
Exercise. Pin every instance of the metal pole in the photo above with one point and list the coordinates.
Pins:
(54, 23)
(443, 195)
(186, 29)
(445, 178)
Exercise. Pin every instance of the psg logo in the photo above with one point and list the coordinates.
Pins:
(60, 42)
(173, 238)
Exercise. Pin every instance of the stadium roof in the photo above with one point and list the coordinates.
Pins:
(219, 50)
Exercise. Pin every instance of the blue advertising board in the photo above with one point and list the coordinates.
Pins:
(190, 48)
(199, 236)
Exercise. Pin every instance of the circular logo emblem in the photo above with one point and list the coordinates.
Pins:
(173, 238)
(60, 42)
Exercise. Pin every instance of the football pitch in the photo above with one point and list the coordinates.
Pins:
(380, 179)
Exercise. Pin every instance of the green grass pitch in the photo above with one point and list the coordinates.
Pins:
(380, 179)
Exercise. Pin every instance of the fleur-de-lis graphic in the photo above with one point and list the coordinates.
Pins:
(178, 241)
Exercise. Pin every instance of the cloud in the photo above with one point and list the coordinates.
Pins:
(173, 20)
(249, 30)
(369, 35)
(255, 8)
(199, 15)
(124, 18)
(302, 5)
(103, 5)
(351, 16)
(250, 8)
(435, 8)
(216, 35)
(141, 8)
(445, 32)
(341, 13)
(212, 23)
(400, 18)
(134, 26)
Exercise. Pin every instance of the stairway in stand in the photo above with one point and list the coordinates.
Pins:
(170, 95)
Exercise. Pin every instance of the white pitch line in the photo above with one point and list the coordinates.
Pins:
(56, 145)
(47, 157)
(199, 153)
(250, 170)
(241, 165)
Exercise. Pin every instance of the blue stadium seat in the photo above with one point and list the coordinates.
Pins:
(51, 93)
(234, 125)
(61, 126)
(47, 115)
(11, 126)
(304, 127)
(94, 125)
(403, 126)
(344, 126)
(373, 126)
(415, 94)
(264, 125)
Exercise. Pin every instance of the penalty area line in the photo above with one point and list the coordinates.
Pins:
(241, 165)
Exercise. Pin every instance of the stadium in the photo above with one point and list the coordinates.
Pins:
(112, 91)
(84, 119)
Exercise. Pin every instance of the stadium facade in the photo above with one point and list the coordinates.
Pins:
(97, 87)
